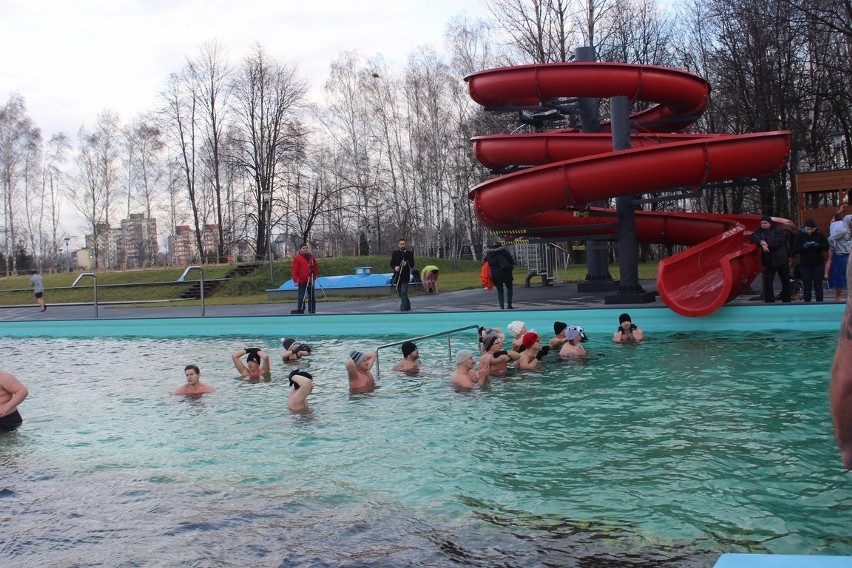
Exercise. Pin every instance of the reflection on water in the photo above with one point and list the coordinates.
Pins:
(663, 454)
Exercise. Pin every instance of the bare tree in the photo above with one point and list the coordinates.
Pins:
(146, 176)
(540, 30)
(268, 96)
(93, 192)
(53, 181)
(211, 74)
(20, 145)
(182, 116)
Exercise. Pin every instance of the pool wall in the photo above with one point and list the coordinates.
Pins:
(814, 317)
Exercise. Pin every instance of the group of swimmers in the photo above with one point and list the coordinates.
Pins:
(525, 352)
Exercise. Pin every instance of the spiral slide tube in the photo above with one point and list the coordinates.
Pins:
(565, 171)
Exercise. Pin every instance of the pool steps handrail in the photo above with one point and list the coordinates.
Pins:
(94, 287)
(448, 333)
(201, 283)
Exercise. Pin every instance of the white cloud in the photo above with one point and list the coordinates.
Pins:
(71, 59)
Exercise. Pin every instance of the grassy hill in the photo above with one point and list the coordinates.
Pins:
(161, 285)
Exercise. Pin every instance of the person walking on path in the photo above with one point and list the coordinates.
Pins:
(810, 246)
(37, 284)
(501, 264)
(774, 258)
(304, 272)
(838, 254)
(402, 260)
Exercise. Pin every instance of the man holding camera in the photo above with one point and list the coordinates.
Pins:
(402, 261)
(304, 272)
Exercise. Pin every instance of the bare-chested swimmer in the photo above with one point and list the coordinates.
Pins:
(358, 367)
(256, 365)
(193, 385)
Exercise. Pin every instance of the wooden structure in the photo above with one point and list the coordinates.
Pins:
(822, 194)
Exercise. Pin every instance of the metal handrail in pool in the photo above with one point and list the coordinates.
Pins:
(183, 279)
(95, 287)
(448, 333)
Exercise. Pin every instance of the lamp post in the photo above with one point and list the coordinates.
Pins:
(67, 255)
(454, 199)
(837, 139)
(267, 200)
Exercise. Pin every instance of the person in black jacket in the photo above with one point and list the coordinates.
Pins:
(774, 257)
(501, 264)
(811, 245)
(402, 261)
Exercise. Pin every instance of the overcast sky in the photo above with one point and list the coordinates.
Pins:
(71, 59)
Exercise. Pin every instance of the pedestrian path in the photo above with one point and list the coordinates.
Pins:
(559, 296)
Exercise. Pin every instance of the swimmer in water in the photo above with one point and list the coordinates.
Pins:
(193, 385)
(301, 385)
(12, 393)
(410, 362)
(358, 367)
(256, 365)
(464, 376)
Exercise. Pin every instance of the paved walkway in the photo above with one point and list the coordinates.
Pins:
(564, 296)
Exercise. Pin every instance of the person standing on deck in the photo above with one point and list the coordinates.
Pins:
(402, 260)
(304, 272)
(774, 257)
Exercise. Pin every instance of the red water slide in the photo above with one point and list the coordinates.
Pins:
(564, 171)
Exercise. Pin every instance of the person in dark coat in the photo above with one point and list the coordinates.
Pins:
(774, 258)
(501, 264)
(811, 245)
(402, 262)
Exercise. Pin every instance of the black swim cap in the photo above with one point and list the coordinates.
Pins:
(408, 348)
(301, 374)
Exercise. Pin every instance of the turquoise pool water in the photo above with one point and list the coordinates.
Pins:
(662, 454)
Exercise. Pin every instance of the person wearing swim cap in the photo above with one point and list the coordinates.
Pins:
(12, 393)
(410, 358)
(558, 338)
(256, 365)
(294, 350)
(572, 348)
(358, 367)
(627, 331)
(193, 385)
(517, 329)
(464, 376)
(301, 385)
(495, 359)
(532, 353)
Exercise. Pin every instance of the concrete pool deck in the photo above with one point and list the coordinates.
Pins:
(539, 307)
(557, 297)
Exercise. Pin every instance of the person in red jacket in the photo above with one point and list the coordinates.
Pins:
(305, 271)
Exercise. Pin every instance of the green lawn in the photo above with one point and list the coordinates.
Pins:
(160, 284)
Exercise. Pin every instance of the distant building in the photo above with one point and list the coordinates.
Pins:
(85, 258)
(130, 245)
(138, 241)
(183, 247)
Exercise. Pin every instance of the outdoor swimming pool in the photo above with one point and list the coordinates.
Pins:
(662, 454)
